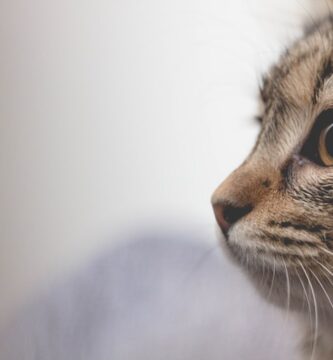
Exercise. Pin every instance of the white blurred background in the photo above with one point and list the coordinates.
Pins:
(119, 113)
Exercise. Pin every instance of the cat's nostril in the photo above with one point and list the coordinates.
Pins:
(234, 213)
(227, 214)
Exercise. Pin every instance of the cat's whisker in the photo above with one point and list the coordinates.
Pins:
(288, 287)
(326, 272)
(315, 335)
(323, 266)
(263, 270)
(326, 250)
(324, 236)
(322, 286)
(247, 261)
(272, 282)
(327, 277)
(307, 298)
(245, 256)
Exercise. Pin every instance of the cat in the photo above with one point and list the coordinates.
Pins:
(276, 209)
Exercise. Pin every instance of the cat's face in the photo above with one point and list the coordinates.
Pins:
(276, 209)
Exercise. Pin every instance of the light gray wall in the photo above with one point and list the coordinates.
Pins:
(116, 113)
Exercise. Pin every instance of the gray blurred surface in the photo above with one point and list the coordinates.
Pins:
(163, 297)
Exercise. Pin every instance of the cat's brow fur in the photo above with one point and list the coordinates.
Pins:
(289, 232)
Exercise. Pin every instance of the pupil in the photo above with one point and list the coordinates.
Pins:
(329, 140)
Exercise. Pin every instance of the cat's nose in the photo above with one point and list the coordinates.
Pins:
(228, 214)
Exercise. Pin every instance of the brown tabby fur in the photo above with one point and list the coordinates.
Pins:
(289, 232)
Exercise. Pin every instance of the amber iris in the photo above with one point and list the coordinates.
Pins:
(326, 145)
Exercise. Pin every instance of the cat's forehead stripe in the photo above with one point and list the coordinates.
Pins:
(303, 69)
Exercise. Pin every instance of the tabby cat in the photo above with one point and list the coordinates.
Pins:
(276, 209)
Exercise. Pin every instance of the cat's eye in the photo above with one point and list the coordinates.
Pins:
(326, 145)
(319, 145)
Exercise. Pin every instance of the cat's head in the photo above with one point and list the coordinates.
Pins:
(276, 209)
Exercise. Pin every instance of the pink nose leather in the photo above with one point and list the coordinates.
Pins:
(227, 214)
(219, 215)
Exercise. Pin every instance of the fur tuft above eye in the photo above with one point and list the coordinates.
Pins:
(319, 145)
